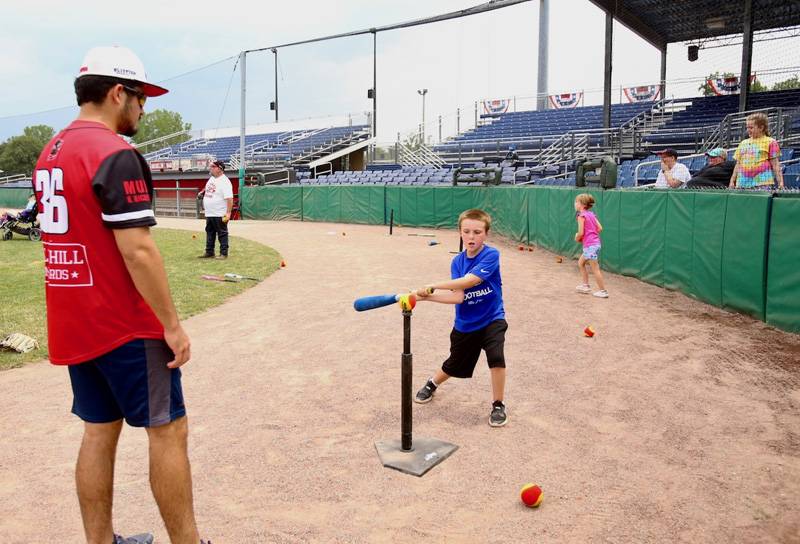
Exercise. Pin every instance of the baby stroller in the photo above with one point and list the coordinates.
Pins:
(24, 224)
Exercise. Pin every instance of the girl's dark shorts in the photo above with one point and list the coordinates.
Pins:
(465, 348)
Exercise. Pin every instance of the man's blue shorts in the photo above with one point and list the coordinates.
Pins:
(133, 382)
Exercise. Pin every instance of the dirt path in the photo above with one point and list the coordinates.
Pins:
(678, 422)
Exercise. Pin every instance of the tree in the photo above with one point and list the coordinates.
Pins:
(18, 154)
(791, 83)
(755, 86)
(158, 123)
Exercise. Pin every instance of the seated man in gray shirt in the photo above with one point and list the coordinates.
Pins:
(716, 173)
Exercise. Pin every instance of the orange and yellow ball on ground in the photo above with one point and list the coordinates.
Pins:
(531, 495)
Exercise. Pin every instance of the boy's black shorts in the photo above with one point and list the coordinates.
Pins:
(465, 348)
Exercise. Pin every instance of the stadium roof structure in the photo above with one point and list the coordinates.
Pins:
(661, 22)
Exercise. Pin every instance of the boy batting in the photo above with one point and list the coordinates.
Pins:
(475, 288)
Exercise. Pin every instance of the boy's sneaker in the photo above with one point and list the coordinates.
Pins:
(144, 538)
(206, 256)
(584, 288)
(426, 393)
(498, 417)
(602, 293)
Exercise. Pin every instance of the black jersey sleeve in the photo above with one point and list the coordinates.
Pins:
(124, 188)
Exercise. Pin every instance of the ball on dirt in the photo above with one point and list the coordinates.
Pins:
(531, 495)
(588, 331)
(522, 248)
(559, 259)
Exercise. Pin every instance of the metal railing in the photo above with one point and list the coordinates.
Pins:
(790, 141)
(12, 178)
(193, 209)
(161, 142)
(733, 126)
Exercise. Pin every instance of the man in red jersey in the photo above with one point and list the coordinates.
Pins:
(110, 315)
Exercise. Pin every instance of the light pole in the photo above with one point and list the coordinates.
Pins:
(275, 52)
(422, 93)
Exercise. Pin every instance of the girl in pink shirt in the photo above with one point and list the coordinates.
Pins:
(589, 229)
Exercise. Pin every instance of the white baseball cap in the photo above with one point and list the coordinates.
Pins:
(118, 62)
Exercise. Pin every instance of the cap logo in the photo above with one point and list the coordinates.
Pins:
(124, 72)
(84, 69)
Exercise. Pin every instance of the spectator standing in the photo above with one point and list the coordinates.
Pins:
(217, 204)
(757, 157)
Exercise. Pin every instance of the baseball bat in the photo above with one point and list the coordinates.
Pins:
(240, 277)
(218, 278)
(377, 301)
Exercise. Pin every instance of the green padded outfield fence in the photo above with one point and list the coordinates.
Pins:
(739, 251)
(14, 197)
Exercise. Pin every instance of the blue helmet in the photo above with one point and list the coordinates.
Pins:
(512, 147)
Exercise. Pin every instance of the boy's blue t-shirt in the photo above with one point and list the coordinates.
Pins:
(484, 302)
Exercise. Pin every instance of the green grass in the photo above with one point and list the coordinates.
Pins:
(22, 282)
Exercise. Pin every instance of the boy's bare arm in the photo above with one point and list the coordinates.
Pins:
(445, 297)
(458, 284)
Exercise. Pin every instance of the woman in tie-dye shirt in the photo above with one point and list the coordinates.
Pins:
(757, 157)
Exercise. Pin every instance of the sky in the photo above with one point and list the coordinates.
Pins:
(192, 47)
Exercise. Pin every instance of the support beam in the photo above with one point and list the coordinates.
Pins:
(664, 72)
(544, 38)
(747, 54)
(242, 120)
(607, 71)
(275, 52)
(374, 89)
(632, 21)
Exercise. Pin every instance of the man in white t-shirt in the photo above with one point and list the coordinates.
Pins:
(217, 203)
(673, 174)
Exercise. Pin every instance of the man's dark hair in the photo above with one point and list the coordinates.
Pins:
(95, 88)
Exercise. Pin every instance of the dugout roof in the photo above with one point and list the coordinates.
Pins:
(663, 21)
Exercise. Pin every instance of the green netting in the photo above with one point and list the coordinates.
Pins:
(393, 204)
(567, 225)
(531, 196)
(544, 234)
(408, 207)
(362, 204)
(276, 203)
(14, 197)
(744, 252)
(712, 245)
(322, 203)
(709, 228)
(507, 207)
(630, 231)
(783, 277)
(446, 216)
(609, 255)
(651, 252)
(426, 207)
(678, 240)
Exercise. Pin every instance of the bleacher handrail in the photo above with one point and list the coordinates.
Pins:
(12, 178)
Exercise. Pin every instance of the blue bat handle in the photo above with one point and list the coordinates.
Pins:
(370, 303)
